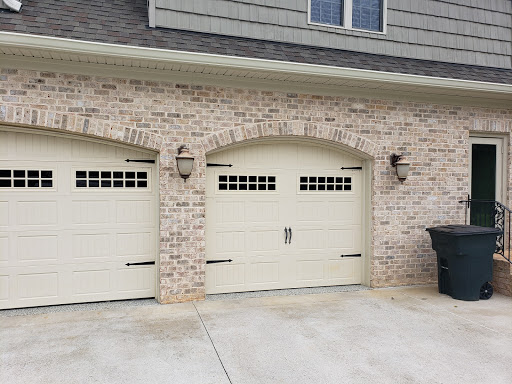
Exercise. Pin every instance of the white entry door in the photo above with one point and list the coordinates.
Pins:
(73, 214)
(285, 214)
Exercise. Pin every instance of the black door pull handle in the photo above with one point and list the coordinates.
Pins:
(290, 239)
(286, 235)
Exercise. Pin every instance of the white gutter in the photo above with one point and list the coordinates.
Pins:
(69, 46)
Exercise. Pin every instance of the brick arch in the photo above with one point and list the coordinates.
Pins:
(301, 129)
(68, 122)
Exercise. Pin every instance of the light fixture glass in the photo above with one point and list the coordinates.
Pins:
(402, 170)
(185, 162)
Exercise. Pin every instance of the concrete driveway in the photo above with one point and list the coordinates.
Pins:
(400, 335)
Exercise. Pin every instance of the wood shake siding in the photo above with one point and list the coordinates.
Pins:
(459, 31)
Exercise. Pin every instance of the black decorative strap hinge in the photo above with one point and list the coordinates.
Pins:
(140, 161)
(141, 263)
(355, 168)
(218, 261)
(218, 165)
(353, 255)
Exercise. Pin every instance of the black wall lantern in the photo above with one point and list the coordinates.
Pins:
(185, 162)
(402, 166)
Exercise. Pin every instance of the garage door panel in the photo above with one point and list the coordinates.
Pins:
(4, 249)
(32, 146)
(82, 149)
(344, 239)
(345, 212)
(310, 270)
(91, 212)
(265, 272)
(90, 246)
(139, 280)
(134, 212)
(131, 244)
(38, 285)
(264, 240)
(229, 241)
(261, 156)
(263, 211)
(343, 268)
(235, 156)
(4, 214)
(35, 213)
(92, 282)
(309, 238)
(37, 248)
(4, 290)
(228, 212)
(311, 210)
(228, 275)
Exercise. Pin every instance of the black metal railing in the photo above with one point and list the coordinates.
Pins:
(490, 213)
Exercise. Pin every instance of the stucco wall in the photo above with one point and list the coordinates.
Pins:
(164, 115)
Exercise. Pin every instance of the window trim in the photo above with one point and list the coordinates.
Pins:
(347, 22)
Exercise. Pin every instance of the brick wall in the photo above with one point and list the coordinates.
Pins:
(164, 115)
(502, 276)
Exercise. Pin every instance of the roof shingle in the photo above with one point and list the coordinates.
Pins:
(125, 22)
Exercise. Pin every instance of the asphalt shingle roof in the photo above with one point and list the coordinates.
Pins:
(125, 22)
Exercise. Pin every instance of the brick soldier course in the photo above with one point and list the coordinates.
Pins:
(161, 116)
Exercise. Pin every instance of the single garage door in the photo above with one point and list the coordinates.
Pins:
(285, 214)
(73, 214)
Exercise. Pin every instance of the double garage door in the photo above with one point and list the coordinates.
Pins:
(283, 215)
(73, 214)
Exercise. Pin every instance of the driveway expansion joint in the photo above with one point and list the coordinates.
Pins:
(213, 344)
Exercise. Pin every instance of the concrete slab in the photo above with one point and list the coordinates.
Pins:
(405, 335)
(399, 335)
(158, 344)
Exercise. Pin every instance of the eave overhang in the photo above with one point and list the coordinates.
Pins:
(233, 69)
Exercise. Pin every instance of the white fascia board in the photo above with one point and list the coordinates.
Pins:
(37, 42)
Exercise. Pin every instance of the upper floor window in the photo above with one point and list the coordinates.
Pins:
(352, 14)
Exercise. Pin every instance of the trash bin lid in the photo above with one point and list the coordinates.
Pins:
(464, 230)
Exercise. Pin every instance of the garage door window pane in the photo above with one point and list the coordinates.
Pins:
(325, 184)
(246, 183)
(21, 178)
(111, 179)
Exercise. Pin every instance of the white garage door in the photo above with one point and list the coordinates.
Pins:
(285, 214)
(73, 213)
